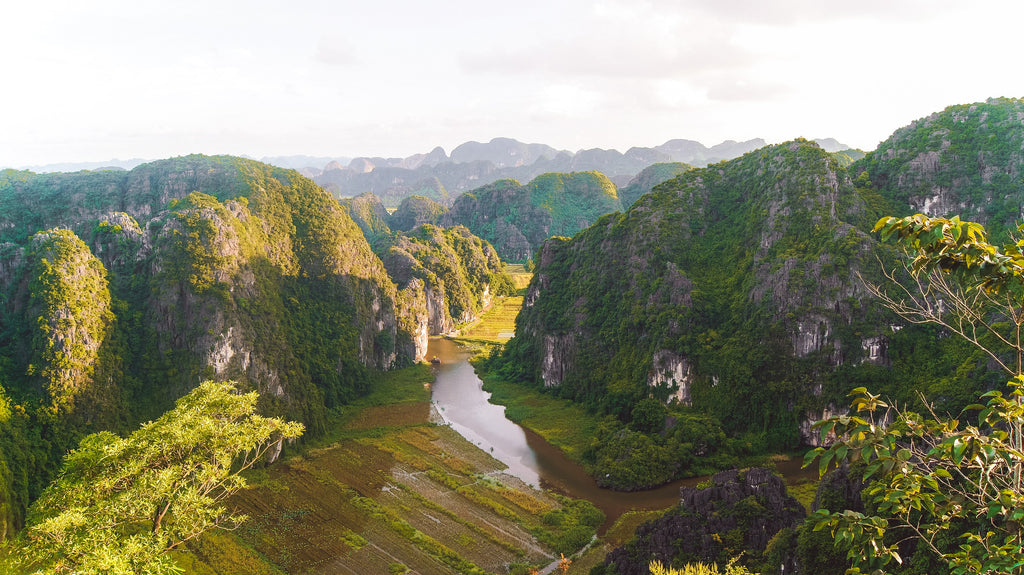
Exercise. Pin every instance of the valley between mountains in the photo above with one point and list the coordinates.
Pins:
(658, 321)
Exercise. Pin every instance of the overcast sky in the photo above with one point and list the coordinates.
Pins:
(97, 80)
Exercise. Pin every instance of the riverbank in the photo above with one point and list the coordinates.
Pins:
(391, 491)
(572, 429)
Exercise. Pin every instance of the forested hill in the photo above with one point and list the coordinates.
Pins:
(966, 160)
(737, 282)
(516, 218)
(648, 178)
(123, 290)
(735, 289)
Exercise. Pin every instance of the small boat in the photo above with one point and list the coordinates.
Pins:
(435, 360)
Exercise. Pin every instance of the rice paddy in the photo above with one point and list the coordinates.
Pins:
(395, 493)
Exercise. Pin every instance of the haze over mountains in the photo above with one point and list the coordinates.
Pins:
(706, 314)
(442, 176)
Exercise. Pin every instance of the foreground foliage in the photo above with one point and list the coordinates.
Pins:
(941, 487)
(698, 569)
(120, 504)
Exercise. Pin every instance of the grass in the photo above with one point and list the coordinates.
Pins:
(497, 324)
(625, 526)
(804, 491)
(520, 277)
(563, 423)
(384, 483)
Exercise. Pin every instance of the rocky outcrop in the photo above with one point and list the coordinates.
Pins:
(671, 369)
(223, 268)
(449, 271)
(740, 282)
(738, 513)
(69, 306)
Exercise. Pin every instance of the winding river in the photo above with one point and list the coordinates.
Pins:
(458, 395)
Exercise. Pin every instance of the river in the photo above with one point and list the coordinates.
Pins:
(458, 395)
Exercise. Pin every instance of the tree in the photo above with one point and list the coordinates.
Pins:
(657, 568)
(961, 282)
(649, 415)
(118, 505)
(949, 488)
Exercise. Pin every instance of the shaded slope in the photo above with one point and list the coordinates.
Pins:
(191, 268)
(516, 218)
(733, 288)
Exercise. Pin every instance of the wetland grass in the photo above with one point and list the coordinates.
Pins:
(384, 483)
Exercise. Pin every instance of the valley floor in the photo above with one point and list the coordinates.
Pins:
(396, 493)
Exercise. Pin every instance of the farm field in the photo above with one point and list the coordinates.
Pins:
(394, 493)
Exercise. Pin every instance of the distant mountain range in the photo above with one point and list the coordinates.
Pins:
(442, 176)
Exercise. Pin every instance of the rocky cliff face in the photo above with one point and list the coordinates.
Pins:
(739, 513)
(722, 284)
(226, 268)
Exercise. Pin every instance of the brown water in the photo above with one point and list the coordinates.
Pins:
(459, 397)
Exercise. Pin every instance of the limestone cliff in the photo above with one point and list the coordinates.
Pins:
(226, 268)
(738, 514)
(734, 288)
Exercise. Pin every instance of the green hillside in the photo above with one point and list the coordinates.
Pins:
(516, 218)
(145, 282)
(648, 178)
(967, 160)
(733, 291)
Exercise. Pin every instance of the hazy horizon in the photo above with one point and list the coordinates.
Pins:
(115, 79)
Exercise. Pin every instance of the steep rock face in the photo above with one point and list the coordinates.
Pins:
(741, 277)
(225, 267)
(753, 505)
(966, 160)
(455, 272)
(516, 219)
(118, 241)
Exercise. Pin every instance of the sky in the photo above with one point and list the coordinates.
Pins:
(105, 79)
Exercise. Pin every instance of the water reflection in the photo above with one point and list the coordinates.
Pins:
(459, 397)
(463, 404)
